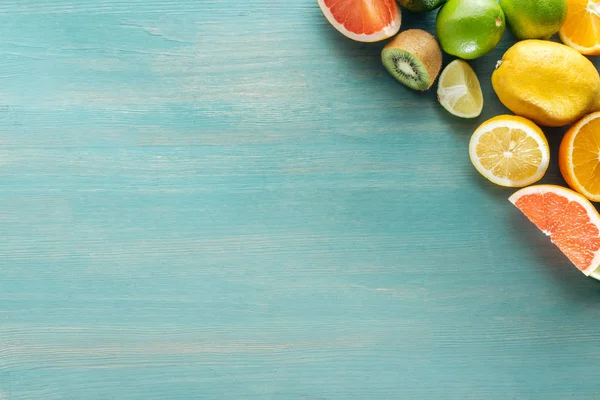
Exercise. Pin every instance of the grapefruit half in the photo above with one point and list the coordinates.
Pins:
(570, 220)
(363, 20)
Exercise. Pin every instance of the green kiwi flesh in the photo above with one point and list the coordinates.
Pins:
(406, 68)
(414, 58)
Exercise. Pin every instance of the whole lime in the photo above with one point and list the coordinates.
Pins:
(421, 5)
(537, 19)
(470, 28)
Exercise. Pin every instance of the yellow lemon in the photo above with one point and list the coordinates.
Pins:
(510, 151)
(547, 82)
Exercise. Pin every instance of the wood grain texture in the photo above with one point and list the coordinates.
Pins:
(228, 200)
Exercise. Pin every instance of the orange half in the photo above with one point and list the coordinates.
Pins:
(363, 20)
(579, 156)
(581, 29)
(570, 220)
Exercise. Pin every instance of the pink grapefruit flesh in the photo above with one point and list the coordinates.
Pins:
(363, 20)
(570, 220)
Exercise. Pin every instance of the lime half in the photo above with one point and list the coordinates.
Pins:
(459, 91)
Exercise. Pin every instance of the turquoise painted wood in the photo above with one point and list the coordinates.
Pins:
(229, 200)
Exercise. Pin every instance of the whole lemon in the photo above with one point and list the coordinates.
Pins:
(549, 83)
(534, 19)
(469, 28)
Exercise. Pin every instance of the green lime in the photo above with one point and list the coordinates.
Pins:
(538, 19)
(421, 5)
(470, 28)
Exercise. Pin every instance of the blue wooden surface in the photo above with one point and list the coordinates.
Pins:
(228, 200)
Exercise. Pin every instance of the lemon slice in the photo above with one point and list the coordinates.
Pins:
(510, 151)
(459, 91)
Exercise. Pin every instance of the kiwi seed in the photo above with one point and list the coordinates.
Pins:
(414, 58)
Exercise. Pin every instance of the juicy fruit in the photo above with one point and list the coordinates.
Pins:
(538, 19)
(414, 58)
(363, 20)
(459, 91)
(470, 28)
(421, 5)
(570, 220)
(547, 82)
(579, 157)
(510, 151)
(581, 29)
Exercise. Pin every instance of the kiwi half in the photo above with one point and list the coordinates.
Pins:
(414, 58)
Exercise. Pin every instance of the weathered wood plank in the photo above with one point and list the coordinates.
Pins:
(228, 200)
